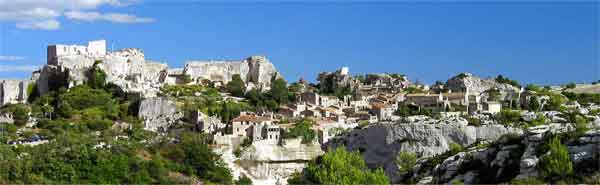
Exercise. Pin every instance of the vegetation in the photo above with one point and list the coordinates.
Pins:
(406, 161)
(243, 181)
(557, 164)
(508, 117)
(473, 121)
(81, 120)
(583, 98)
(279, 91)
(570, 86)
(504, 80)
(302, 129)
(340, 167)
(236, 86)
(534, 104)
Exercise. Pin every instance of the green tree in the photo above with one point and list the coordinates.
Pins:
(302, 129)
(243, 181)
(406, 161)
(571, 86)
(534, 104)
(557, 163)
(96, 77)
(342, 167)
(279, 91)
(236, 86)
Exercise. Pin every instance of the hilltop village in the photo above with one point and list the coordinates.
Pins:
(266, 130)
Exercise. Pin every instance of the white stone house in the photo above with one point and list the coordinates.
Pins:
(492, 107)
(244, 125)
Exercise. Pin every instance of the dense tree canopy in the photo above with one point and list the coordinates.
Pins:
(341, 167)
(236, 86)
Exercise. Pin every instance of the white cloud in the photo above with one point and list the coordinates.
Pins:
(111, 17)
(42, 25)
(19, 68)
(44, 14)
(11, 58)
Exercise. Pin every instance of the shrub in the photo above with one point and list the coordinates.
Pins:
(557, 163)
(571, 86)
(456, 148)
(406, 161)
(508, 117)
(246, 142)
(302, 129)
(342, 167)
(243, 181)
(504, 80)
(473, 121)
(236, 86)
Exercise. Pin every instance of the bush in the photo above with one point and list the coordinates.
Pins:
(243, 181)
(302, 129)
(246, 143)
(504, 80)
(557, 163)
(570, 86)
(406, 161)
(236, 86)
(455, 148)
(20, 113)
(473, 121)
(508, 117)
(342, 167)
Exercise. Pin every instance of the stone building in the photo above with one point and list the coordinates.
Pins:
(247, 125)
(94, 48)
(14, 91)
(491, 107)
(424, 99)
(205, 123)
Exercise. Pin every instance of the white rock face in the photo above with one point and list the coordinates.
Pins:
(476, 85)
(381, 143)
(256, 70)
(13, 91)
(158, 113)
(125, 68)
(292, 150)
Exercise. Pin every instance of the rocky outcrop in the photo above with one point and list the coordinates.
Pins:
(256, 71)
(14, 91)
(291, 150)
(475, 86)
(381, 143)
(129, 70)
(158, 113)
(125, 68)
(387, 80)
(332, 81)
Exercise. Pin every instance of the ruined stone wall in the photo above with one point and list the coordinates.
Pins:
(13, 91)
(256, 71)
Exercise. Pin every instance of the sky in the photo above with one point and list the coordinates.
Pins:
(542, 42)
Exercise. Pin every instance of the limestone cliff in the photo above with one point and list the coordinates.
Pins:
(158, 113)
(256, 71)
(476, 86)
(381, 143)
(125, 68)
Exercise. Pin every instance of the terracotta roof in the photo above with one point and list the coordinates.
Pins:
(251, 118)
(421, 94)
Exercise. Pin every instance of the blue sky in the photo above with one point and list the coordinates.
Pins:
(535, 42)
